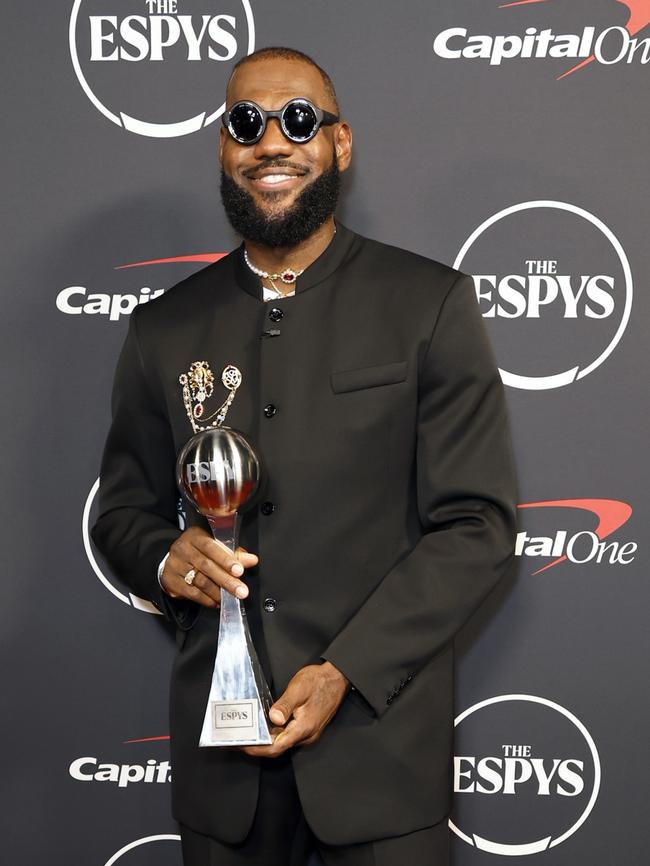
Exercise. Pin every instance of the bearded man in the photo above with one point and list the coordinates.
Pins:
(370, 389)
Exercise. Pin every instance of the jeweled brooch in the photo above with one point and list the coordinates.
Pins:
(198, 387)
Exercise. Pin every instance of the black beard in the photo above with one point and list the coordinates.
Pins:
(313, 206)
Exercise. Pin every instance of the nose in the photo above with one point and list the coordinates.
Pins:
(273, 143)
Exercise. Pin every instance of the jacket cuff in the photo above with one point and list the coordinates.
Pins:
(181, 612)
(374, 700)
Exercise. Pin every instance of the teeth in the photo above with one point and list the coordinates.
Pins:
(275, 178)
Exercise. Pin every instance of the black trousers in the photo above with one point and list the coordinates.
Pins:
(280, 835)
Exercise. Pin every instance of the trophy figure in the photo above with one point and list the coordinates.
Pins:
(219, 474)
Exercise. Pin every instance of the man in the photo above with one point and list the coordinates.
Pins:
(371, 392)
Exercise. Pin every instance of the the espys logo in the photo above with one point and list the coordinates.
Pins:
(526, 775)
(554, 286)
(79, 300)
(100, 570)
(575, 543)
(165, 854)
(159, 67)
(608, 46)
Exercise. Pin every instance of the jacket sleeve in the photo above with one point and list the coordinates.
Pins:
(137, 519)
(466, 499)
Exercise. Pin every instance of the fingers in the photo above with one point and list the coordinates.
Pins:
(282, 709)
(246, 558)
(216, 567)
(303, 724)
(212, 555)
(298, 691)
(296, 733)
(175, 586)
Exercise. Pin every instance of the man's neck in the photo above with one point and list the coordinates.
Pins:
(274, 260)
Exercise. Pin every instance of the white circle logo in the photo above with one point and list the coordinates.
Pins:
(130, 599)
(158, 67)
(146, 840)
(556, 299)
(526, 775)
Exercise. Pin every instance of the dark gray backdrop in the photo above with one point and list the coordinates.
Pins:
(441, 145)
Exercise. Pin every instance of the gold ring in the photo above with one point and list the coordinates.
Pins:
(189, 577)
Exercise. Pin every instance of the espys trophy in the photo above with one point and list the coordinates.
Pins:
(218, 472)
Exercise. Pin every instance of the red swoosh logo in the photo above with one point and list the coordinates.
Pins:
(639, 14)
(147, 740)
(611, 514)
(638, 19)
(521, 3)
(209, 258)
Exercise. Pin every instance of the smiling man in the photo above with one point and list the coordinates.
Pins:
(370, 390)
(280, 192)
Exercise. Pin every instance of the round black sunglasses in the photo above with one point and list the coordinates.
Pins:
(299, 119)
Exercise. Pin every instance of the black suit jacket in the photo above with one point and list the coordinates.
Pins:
(389, 465)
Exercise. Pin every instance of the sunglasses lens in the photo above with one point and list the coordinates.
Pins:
(245, 122)
(299, 121)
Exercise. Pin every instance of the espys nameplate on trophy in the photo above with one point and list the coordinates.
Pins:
(219, 474)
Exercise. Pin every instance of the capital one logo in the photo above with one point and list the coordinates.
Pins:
(148, 771)
(100, 570)
(526, 775)
(131, 854)
(584, 536)
(555, 288)
(81, 301)
(159, 67)
(617, 43)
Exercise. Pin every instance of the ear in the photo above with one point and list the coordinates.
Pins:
(343, 145)
(222, 138)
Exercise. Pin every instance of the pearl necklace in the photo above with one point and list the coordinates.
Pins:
(288, 275)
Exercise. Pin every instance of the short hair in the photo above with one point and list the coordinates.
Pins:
(274, 51)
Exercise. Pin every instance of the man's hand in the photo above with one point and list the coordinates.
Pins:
(302, 713)
(215, 567)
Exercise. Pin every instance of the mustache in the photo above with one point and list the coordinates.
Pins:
(276, 163)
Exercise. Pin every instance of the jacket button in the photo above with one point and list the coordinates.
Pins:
(267, 508)
(270, 410)
(269, 605)
(389, 699)
(275, 314)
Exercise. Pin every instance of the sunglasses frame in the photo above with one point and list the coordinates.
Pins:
(323, 118)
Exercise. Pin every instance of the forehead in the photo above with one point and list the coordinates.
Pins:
(274, 81)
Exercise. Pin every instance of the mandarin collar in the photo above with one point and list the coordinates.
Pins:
(320, 269)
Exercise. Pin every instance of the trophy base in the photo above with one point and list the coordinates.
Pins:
(238, 723)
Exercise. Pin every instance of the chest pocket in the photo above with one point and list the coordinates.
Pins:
(368, 377)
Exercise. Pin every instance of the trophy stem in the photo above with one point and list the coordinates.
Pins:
(226, 529)
(240, 698)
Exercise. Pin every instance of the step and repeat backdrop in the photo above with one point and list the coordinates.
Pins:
(508, 139)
